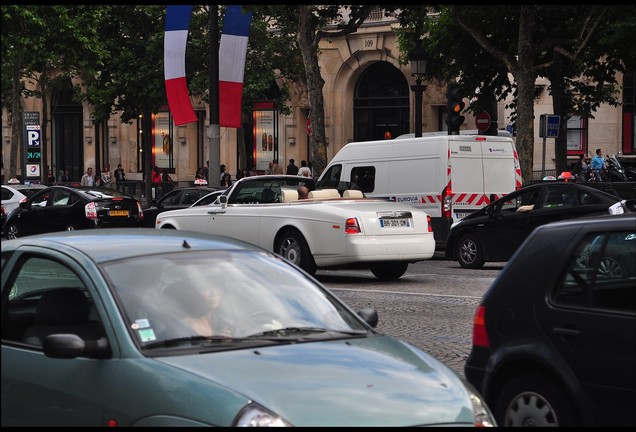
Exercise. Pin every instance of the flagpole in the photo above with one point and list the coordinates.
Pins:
(214, 171)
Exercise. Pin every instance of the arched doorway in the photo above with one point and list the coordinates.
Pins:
(68, 151)
(381, 103)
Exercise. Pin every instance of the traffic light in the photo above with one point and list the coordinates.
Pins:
(454, 106)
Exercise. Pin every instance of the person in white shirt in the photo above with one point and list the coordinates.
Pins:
(88, 179)
(304, 169)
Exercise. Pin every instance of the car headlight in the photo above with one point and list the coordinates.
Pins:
(481, 412)
(254, 415)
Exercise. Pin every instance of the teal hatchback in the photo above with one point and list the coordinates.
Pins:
(145, 327)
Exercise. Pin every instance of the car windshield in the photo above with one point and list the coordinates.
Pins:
(212, 296)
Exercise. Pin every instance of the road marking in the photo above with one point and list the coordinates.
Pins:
(405, 293)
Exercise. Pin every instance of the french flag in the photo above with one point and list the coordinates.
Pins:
(232, 53)
(174, 46)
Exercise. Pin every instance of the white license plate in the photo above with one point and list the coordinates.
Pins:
(118, 213)
(395, 223)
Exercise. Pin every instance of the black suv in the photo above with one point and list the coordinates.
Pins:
(554, 338)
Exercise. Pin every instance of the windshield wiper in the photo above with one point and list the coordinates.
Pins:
(191, 340)
(295, 331)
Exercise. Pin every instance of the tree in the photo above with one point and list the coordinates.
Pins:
(481, 47)
(37, 43)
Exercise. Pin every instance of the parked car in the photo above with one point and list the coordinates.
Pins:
(12, 194)
(496, 231)
(175, 199)
(329, 230)
(103, 329)
(59, 208)
(208, 199)
(624, 206)
(554, 338)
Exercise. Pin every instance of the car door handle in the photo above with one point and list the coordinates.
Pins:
(566, 334)
(216, 211)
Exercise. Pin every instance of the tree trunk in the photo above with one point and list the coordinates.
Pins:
(557, 84)
(309, 50)
(16, 118)
(525, 75)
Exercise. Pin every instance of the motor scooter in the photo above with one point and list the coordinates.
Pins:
(614, 170)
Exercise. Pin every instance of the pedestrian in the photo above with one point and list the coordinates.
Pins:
(226, 181)
(276, 169)
(581, 168)
(304, 169)
(292, 169)
(244, 173)
(222, 172)
(88, 179)
(60, 176)
(66, 178)
(166, 181)
(598, 166)
(50, 178)
(98, 180)
(106, 176)
(120, 178)
(155, 179)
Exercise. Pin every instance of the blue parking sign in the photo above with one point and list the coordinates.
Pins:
(549, 126)
(553, 126)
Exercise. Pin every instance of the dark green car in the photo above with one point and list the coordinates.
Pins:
(148, 327)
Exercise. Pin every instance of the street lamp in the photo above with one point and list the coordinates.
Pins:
(417, 60)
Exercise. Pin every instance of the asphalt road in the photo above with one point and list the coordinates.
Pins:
(431, 306)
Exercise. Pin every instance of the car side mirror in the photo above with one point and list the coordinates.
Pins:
(370, 316)
(222, 200)
(68, 346)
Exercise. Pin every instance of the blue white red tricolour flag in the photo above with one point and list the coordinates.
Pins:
(232, 53)
(174, 45)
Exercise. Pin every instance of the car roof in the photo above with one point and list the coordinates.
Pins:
(627, 220)
(19, 186)
(103, 245)
(573, 185)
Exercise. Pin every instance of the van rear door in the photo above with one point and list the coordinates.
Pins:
(480, 166)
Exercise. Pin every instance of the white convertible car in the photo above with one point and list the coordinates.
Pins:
(332, 229)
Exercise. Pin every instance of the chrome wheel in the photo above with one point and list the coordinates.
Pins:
(293, 247)
(12, 232)
(469, 253)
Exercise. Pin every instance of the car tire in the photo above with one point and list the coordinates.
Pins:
(12, 231)
(469, 252)
(390, 271)
(70, 228)
(293, 247)
(533, 400)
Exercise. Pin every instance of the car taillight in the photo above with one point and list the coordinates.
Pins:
(447, 202)
(141, 212)
(480, 337)
(90, 210)
(428, 221)
(352, 226)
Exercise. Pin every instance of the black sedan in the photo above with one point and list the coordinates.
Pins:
(175, 199)
(554, 338)
(496, 231)
(59, 208)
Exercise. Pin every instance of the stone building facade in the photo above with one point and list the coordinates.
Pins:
(367, 95)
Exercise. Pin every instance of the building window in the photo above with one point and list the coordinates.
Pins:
(577, 135)
(381, 103)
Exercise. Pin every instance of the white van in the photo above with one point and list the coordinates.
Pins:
(448, 176)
